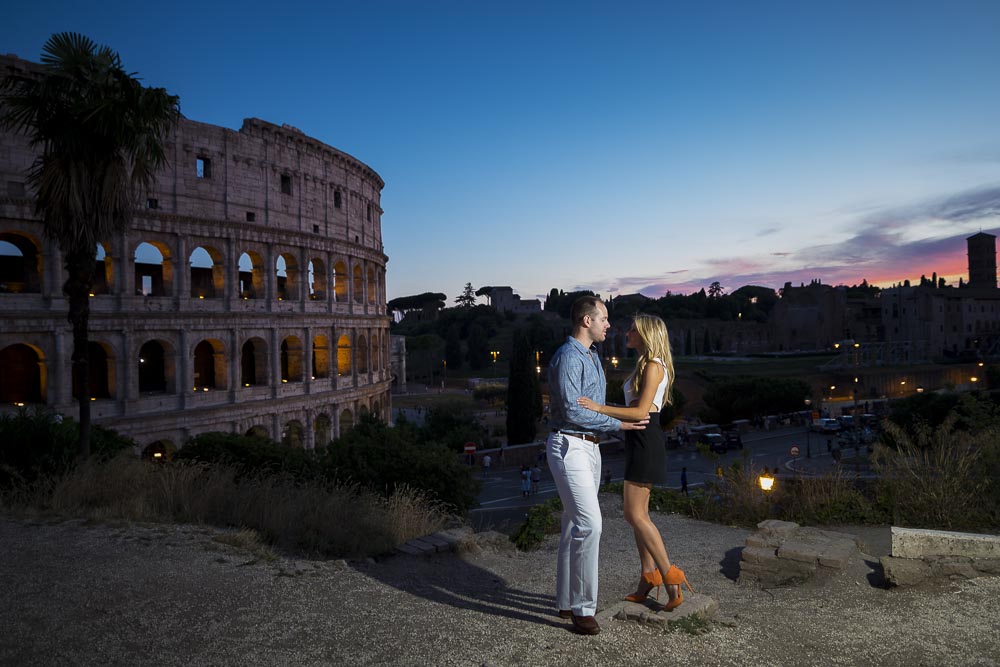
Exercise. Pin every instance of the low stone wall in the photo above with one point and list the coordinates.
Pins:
(936, 555)
(782, 553)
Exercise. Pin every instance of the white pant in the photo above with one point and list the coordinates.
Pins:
(575, 464)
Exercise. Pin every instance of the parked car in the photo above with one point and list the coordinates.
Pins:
(733, 440)
(826, 425)
(715, 442)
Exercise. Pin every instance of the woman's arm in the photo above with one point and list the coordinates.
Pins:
(652, 375)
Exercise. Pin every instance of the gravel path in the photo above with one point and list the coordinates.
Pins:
(77, 594)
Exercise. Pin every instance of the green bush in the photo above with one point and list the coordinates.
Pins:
(35, 443)
(384, 459)
(542, 520)
(248, 454)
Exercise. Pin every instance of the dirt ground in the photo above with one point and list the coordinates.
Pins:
(105, 594)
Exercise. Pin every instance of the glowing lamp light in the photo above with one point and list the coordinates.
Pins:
(979, 363)
(204, 388)
(246, 384)
(974, 379)
(285, 381)
(19, 404)
(92, 398)
(766, 482)
(157, 455)
(201, 296)
(92, 294)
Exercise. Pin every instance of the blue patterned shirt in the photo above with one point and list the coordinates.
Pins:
(575, 371)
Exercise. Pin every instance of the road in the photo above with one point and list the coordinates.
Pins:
(502, 507)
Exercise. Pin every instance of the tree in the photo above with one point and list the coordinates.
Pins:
(524, 396)
(101, 137)
(453, 347)
(715, 290)
(428, 301)
(467, 299)
(478, 347)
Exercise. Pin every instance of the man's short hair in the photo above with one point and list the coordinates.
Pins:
(585, 305)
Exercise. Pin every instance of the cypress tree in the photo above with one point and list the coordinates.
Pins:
(524, 396)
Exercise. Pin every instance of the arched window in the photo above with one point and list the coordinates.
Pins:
(153, 269)
(359, 284)
(362, 354)
(288, 276)
(320, 357)
(20, 264)
(251, 276)
(343, 355)
(340, 282)
(207, 274)
(210, 365)
(100, 371)
(253, 363)
(371, 286)
(291, 359)
(346, 421)
(155, 367)
(291, 436)
(21, 375)
(317, 280)
(321, 428)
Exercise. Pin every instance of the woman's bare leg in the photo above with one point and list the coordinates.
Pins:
(652, 552)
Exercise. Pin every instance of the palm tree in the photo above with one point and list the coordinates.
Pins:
(100, 133)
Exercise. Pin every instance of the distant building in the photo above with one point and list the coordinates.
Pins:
(503, 300)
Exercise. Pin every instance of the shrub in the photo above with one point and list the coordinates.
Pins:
(542, 520)
(248, 454)
(35, 443)
(386, 459)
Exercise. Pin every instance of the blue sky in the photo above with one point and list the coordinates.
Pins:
(619, 147)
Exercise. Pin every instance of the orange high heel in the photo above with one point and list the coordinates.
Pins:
(675, 577)
(652, 579)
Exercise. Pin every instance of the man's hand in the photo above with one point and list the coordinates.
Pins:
(635, 426)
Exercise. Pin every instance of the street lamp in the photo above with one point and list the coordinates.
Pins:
(766, 482)
(614, 362)
(538, 363)
(495, 354)
(808, 439)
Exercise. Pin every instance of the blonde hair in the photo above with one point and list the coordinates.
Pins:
(656, 340)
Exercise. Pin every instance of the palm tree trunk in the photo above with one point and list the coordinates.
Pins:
(80, 267)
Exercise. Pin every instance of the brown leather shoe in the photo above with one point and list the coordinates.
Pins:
(565, 613)
(585, 625)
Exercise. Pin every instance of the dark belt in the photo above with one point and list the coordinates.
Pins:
(589, 437)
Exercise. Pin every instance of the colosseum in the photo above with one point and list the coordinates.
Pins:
(248, 294)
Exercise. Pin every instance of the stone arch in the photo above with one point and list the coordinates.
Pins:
(20, 264)
(154, 274)
(250, 273)
(104, 272)
(317, 279)
(210, 370)
(362, 354)
(291, 359)
(320, 357)
(286, 269)
(160, 450)
(292, 435)
(100, 371)
(208, 274)
(321, 431)
(359, 284)
(371, 286)
(258, 431)
(344, 355)
(346, 421)
(376, 350)
(22, 374)
(156, 367)
(377, 408)
(253, 362)
(340, 279)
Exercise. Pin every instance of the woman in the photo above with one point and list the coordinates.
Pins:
(646, 390)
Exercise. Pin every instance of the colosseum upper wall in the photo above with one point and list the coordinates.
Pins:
(247, 295)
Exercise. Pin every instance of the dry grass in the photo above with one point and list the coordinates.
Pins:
(935, 478)
(332, 519)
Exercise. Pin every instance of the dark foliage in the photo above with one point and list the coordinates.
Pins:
(747, 397)
(524, 396)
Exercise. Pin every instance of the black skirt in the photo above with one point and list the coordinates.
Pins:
(646, 454)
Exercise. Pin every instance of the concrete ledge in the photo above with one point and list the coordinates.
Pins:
(918, 543)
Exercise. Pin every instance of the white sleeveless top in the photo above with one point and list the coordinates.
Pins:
(658, 396)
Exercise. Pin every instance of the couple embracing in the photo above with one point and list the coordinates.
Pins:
(577, 393)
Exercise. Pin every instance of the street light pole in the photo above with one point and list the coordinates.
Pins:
(495, 354)
(808, 429)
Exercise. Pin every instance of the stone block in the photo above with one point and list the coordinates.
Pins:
(433, 543)
(836, 557)
(760, 541)
(987, 565)
(777, 527)
(409, 550)
(453, 536)
(917, 543)
(952, 567)
(904, 571)
(757, 555)
(798, 551)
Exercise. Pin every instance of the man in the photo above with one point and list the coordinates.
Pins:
(574, 459)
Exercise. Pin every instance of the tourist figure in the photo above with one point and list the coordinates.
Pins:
(487, 461)
(536, 478)
(647, 389)
(525, 481)
(574, 458)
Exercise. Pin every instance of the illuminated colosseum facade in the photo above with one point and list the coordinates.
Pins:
(247, 296)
